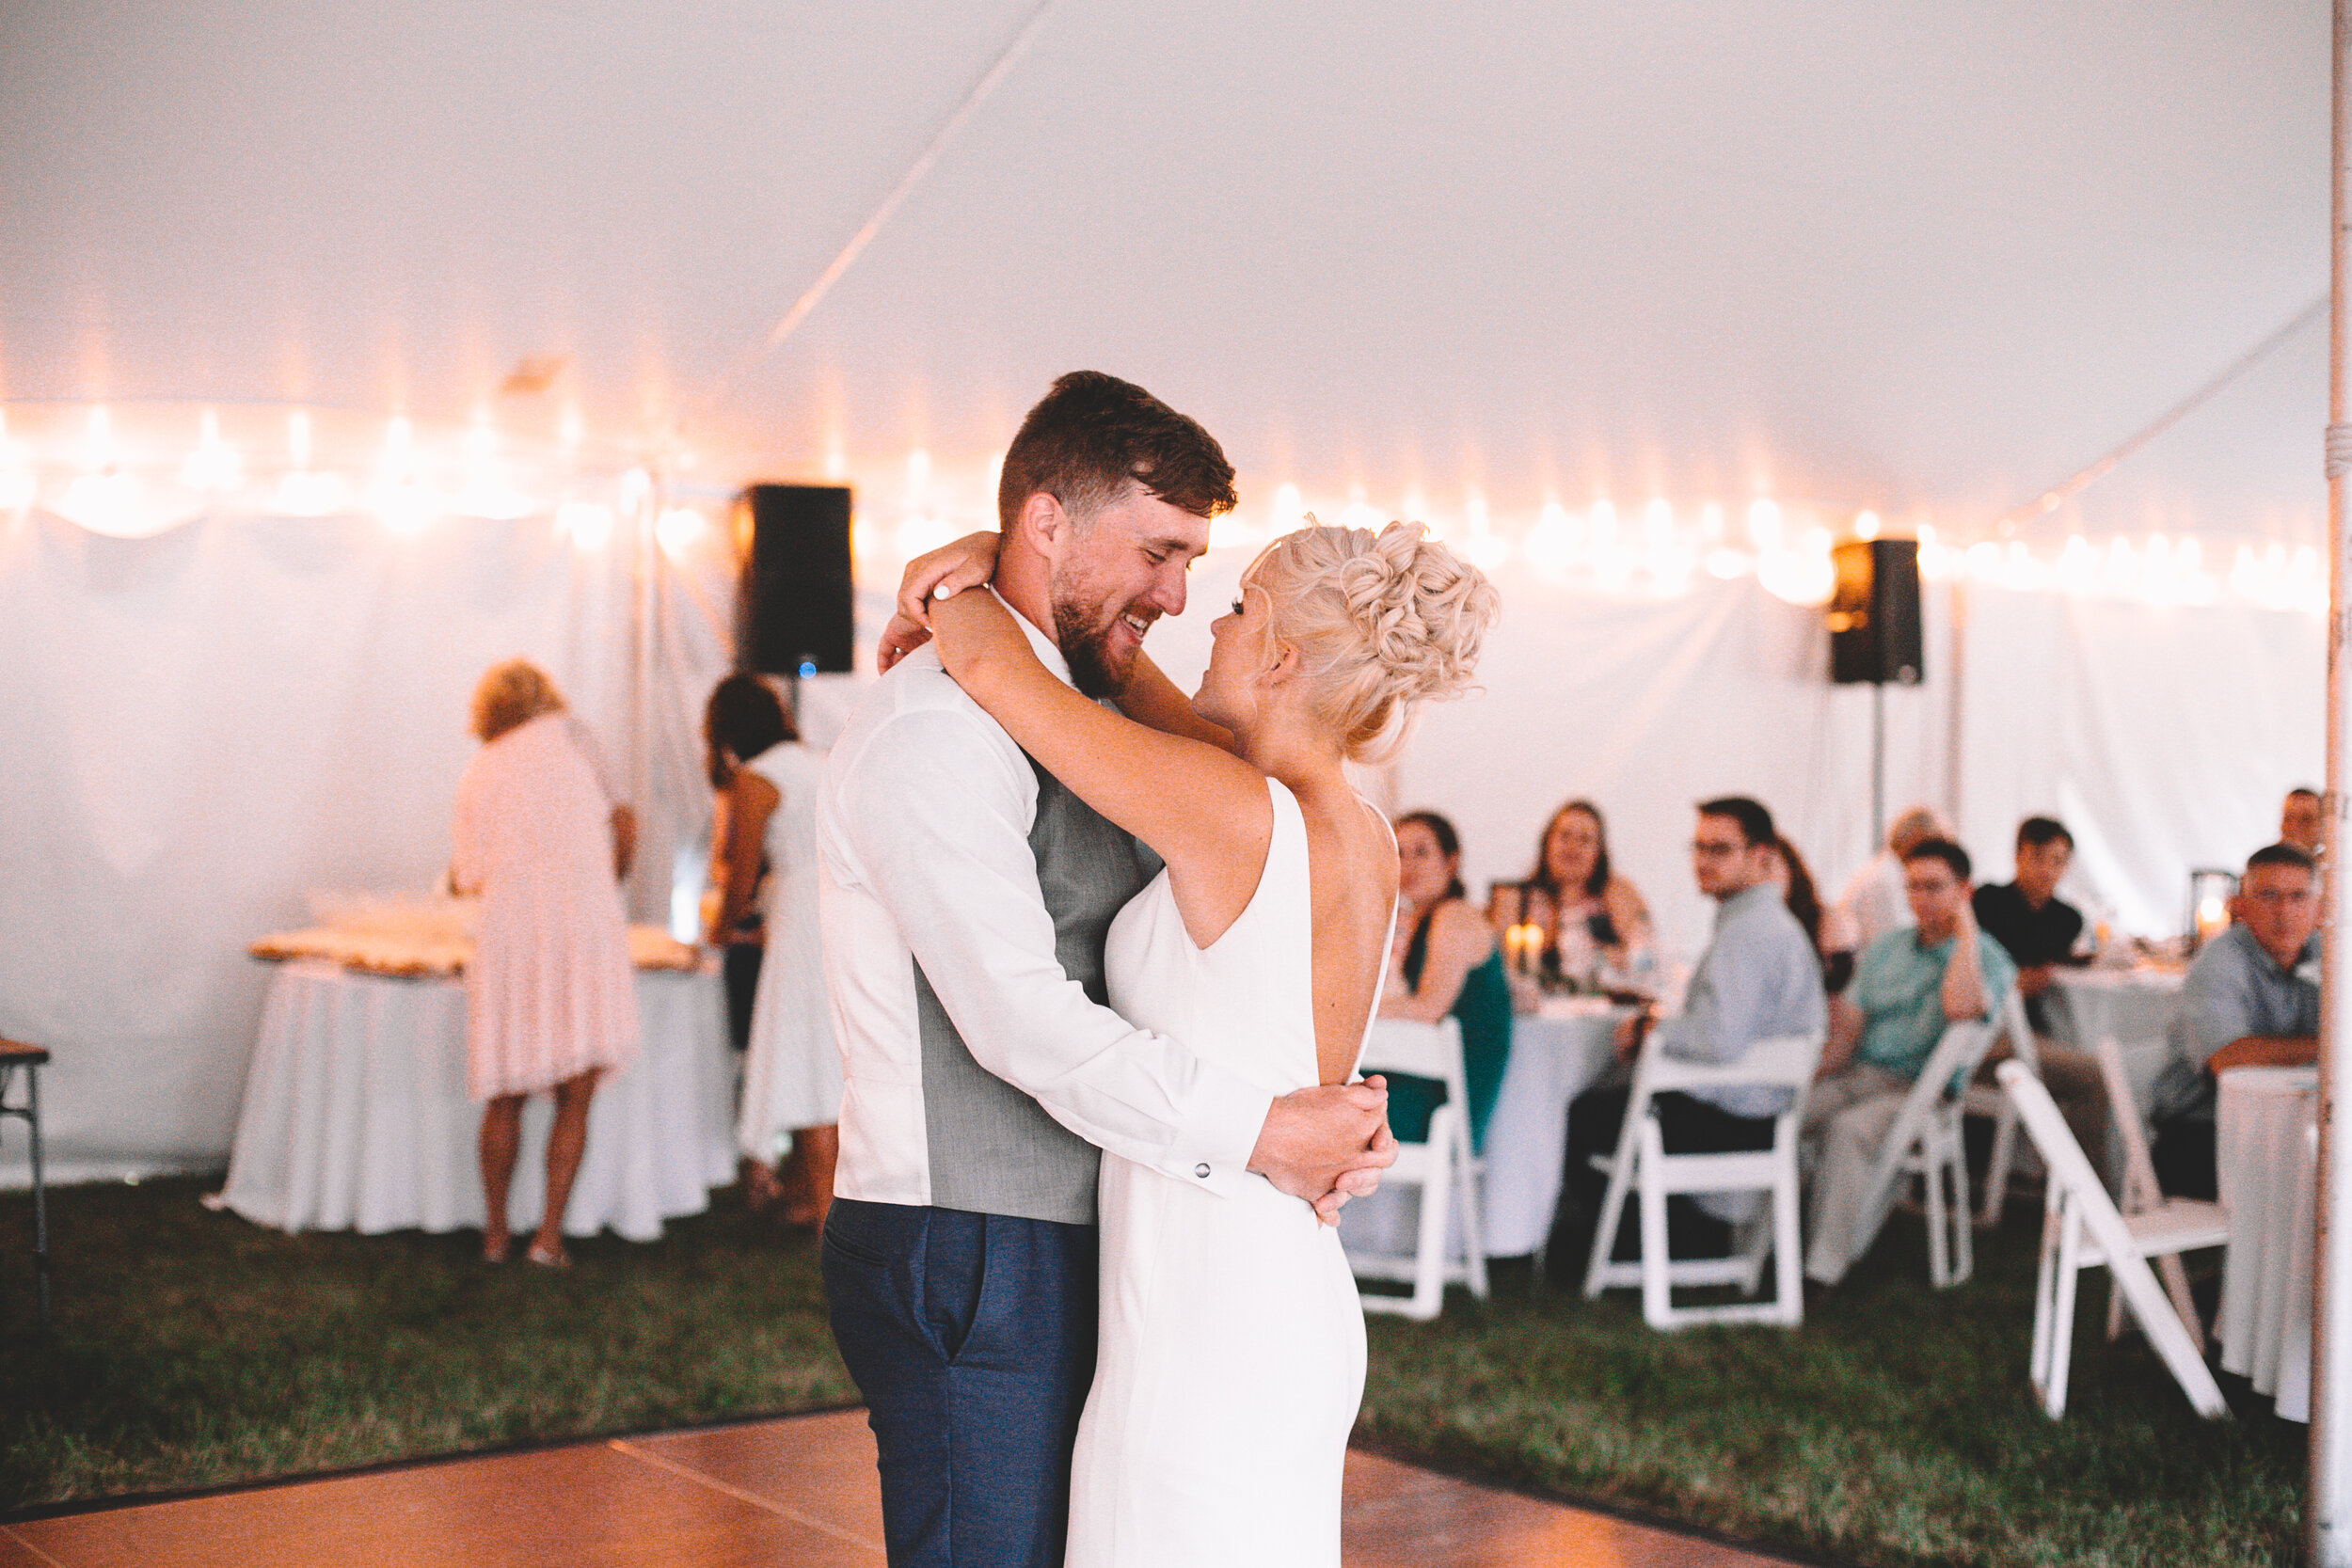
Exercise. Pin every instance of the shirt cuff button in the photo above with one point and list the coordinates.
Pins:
(1200, 1171)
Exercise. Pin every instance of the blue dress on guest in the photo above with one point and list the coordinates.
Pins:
(1483, 1011)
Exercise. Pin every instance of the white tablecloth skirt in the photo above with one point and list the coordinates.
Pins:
(355, 1116)
(1555, 1055)
(2267, 1156)
(2133, 1007)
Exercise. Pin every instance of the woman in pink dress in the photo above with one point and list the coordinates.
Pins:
(550, 1003)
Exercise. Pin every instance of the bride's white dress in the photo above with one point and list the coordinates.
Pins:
(1231, 1356)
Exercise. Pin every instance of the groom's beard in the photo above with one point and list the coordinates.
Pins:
(1095, 668)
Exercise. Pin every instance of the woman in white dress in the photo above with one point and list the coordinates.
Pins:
(550, 1002)
(766, 814)
(1232, 1351)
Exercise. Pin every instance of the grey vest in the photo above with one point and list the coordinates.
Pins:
(994, 1150)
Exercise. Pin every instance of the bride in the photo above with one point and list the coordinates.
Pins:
(1232, 1349)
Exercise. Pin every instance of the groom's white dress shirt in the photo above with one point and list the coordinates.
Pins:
(931, 889)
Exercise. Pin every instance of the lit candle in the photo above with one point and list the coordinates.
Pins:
(2213, 917)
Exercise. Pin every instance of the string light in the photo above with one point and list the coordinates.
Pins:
(1290, 507)
(589, 525)
(1551, 543)
(133, 476)
(679, 530)
(213, 466)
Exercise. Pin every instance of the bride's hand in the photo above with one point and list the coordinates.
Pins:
(932, 576)
(970, 627)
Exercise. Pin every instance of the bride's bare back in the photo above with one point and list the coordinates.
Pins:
(1351, 867)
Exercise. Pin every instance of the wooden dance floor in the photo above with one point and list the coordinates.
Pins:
(797, 1490)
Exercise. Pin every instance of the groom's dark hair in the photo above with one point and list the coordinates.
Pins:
(1093, 432)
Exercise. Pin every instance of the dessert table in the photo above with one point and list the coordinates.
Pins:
(1557, 1051)
(356, 1117)
(2266, 1157)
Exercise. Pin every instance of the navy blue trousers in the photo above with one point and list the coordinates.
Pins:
(972, 1339)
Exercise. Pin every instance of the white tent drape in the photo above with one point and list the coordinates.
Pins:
(208, 724)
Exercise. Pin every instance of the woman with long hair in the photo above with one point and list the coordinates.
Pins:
(1574, 896)
(1443, 964)
(764, 816)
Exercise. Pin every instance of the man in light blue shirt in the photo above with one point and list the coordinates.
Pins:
(2252, 1000)
(1908, 985)
(1759, 979)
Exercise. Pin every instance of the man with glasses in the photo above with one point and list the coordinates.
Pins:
(1759, 979)
(2252, 1000)
(1908, 985)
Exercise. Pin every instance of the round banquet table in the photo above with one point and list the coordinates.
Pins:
(355, 1116)
(2266, 1157)
(2133, 1007)
(1556, 1053)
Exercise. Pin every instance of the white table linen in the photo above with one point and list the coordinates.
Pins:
(1556, 1053)
(2267, 1156)
(2134, 1008)
(355, 1116)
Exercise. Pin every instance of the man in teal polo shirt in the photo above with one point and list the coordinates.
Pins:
(1908, 985)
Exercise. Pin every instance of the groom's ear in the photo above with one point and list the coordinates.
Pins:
(1041, 522)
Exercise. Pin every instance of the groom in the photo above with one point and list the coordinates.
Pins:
(966, 898)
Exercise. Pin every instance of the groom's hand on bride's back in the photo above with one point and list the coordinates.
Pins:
(1326, 1144)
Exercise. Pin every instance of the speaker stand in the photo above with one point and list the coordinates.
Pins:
(1878, 764)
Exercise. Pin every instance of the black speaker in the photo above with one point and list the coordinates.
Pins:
(1874, 612)
(793, 606)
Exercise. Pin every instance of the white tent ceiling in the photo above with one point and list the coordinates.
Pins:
(1923, 257)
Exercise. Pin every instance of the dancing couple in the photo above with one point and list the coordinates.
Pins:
(1102, 975)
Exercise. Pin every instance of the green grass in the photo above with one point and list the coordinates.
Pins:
(195, 1349)
(1895, 1428)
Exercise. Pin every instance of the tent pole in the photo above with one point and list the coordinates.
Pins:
(1878, 764)
(2327, 1509)
(1955, 663)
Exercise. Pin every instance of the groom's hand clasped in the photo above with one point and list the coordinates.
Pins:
(1327, 1143)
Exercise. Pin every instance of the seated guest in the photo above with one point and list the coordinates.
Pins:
(1799, 892)
(1873, 902)
(1443, 964)
(2252, 1000)
(2039, 931)
(1585, 909)
(1759, 979)
(2299, 820)
(2027, 917)
(1908, 985)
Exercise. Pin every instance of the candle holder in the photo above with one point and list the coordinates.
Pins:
(2209, 894)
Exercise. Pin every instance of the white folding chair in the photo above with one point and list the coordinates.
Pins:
(1986, 1100)
(2081, 1228)
(1443, 1168)
(1925, 1142)
(1643, 1164)
(2141, 1196)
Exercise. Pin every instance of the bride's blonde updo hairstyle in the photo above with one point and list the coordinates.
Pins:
(1382, 621)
